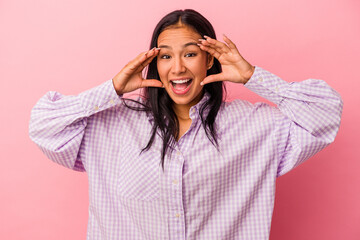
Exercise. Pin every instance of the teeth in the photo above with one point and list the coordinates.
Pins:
(181, 81)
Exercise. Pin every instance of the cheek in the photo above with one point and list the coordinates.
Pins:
(201, 69)
(161, 68)
(202, 65)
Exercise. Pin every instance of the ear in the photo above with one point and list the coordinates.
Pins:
(210, 61)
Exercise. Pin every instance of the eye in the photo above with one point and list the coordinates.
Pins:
(164, 56)
(190, 55)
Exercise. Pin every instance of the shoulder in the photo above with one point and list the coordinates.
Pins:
(243, 107)
(125, 111)
(132, 106)
(242, 111)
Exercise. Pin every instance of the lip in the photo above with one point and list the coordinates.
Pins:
(183, 78)
(182, 91)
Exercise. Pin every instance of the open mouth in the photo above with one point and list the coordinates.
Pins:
(181, 84)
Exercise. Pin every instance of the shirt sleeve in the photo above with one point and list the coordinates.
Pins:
(58, 122)
(307, 117)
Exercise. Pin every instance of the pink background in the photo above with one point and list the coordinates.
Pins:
(71, 46)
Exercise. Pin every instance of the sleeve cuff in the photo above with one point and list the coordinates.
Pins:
(267, 85)
(99, 98)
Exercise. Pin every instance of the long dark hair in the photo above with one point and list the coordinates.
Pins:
(157, 101)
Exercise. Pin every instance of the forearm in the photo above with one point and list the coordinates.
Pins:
(307, 117)
(58, 122)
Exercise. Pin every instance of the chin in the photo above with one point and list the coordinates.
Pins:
(186, 100)
(181, 101)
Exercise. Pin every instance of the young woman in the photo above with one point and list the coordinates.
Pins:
(179, 163)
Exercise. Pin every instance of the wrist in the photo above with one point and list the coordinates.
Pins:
(117, 90)
(249, 74)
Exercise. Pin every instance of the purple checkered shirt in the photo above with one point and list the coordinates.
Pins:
(202, 193)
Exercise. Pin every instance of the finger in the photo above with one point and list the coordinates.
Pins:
(210, 50)
(151, 57)
(230, 43)
(141, 62)
(212, 78)
(134, 64)
(151, 83)
(146, 56)
(219, 46)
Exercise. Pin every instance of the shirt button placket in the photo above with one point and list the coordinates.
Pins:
(176, 191)
(178, 158)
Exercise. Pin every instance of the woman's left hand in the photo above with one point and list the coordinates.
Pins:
(234, 67)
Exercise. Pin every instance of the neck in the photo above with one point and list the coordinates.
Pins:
(182, 110)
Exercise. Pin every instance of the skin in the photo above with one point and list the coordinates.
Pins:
(177, 60)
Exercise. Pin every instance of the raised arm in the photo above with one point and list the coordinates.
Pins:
(58, 122)
(308, 115)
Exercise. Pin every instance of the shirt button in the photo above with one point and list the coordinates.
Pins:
(260, 79)
(276, 89)
(111, 101)
(175, 181)
(193, 110)
(177, 215)
(178, 153)
(96, 108)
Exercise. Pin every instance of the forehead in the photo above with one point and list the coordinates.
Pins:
(178, 36)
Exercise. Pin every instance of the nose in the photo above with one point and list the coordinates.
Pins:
(178, 66)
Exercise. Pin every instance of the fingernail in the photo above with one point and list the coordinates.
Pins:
(201, 39)
(206, 36)
(225, 35)
(199, 44)
(201, 83)
(157, 48)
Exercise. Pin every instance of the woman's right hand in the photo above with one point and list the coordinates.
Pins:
(130, 77)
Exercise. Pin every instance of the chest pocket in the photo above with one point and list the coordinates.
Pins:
(139, 176)
(138, 190)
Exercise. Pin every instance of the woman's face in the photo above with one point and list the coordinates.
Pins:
(182, 65)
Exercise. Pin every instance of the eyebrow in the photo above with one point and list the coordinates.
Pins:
(184, 46)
